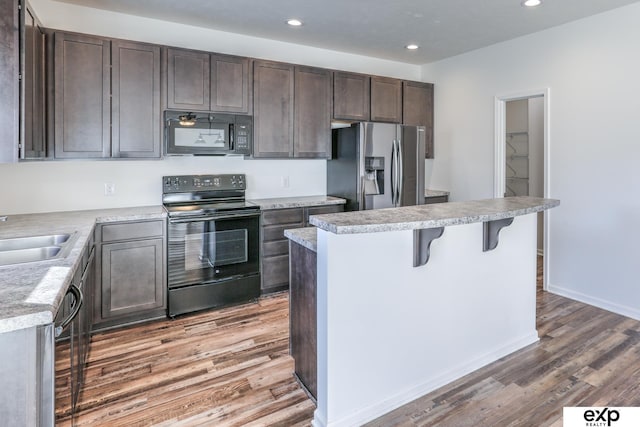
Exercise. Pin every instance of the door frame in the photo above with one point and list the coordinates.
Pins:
(499, 158)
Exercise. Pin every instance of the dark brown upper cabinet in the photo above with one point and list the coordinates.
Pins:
(188, 76)
(106, 98)
(10, 83)
(273, 97)
(135, 105)
(351, 96)
(417, 109)
(32, 124)
(81, 96)
(312, 105)
(386, 100)
(230, 80)
(292, 111)
(207, 82)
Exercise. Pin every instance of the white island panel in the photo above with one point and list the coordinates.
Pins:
(389, 332)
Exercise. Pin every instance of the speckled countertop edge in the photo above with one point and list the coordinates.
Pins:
(296, 202)
(430, 216)
(307, 237)
(31, 293)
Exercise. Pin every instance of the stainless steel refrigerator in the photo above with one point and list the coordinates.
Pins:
(377, 165)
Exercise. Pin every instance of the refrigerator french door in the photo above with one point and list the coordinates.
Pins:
(377, 165)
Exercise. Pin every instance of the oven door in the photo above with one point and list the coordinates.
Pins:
(204, 250)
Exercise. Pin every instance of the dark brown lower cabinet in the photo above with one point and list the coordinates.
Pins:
(131, 280)
(436, 199)
(274, 247)
(302, 315)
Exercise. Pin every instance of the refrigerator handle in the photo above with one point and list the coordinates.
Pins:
(394, 172)
(362, 195)
(400, 182)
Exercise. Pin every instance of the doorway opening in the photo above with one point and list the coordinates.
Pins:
(522, 157)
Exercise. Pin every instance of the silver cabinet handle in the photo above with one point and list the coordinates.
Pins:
(77, 293)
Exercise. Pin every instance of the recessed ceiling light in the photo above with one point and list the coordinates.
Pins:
(531, 3)
(294, 22)
(412, 46)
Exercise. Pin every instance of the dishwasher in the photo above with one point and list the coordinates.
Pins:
(73, 328)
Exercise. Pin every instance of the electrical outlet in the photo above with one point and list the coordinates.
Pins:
(109, 189)
(284, 180)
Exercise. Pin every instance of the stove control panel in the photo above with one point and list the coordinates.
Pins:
(190, 183)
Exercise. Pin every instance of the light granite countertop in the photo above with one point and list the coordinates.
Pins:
(430, 216)
(31, 293)
(435, 193)
(296, 202)
(307, 237)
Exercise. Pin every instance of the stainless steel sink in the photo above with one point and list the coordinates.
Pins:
(33, 242)
(19, 256)
(34, 248)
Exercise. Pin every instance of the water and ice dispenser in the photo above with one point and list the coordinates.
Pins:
(374, 175)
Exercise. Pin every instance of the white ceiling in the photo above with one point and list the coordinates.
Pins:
(376, 28)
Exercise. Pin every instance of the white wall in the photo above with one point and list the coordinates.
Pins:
(591, 67)
(58, 186)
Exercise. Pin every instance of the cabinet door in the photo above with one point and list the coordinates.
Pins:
(132, 277)
(417, 110)
(188, 75)
(230, 84)
(10, 86)
(33, 77)
(81, 96)
(351, 96)
(273, 109)
(386, 100)
(135, 114)
(312, 126)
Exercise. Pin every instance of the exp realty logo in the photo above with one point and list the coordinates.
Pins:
(601, 417)
(604, 417)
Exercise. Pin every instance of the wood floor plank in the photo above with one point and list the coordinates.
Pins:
(230, 368)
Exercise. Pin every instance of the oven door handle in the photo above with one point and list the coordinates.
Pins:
(213, 217)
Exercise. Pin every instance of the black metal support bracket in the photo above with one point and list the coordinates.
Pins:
(490, 231)
(422, 239)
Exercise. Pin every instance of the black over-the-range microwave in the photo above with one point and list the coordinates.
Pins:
(207, 134)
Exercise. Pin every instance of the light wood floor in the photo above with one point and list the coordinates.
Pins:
(231, 367)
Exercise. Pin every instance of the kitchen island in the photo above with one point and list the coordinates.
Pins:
(412, 298)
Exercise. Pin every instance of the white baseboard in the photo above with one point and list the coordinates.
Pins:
(382, 407)
(623, 310)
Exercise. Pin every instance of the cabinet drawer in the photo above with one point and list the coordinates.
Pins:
(277, 247)
(282, 216)
(319, 210)
(132, 230)
(436, 199)
(276, 232)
